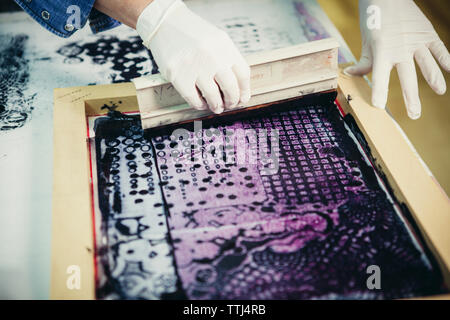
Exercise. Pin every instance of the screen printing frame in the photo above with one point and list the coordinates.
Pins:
(411, 183)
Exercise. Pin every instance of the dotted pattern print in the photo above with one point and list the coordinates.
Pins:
(312, 168)
(305, 231)
(251, 37)
(205, 181)
(135, 259)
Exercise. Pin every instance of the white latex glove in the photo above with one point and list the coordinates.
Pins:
(405, 34)
(194, 54)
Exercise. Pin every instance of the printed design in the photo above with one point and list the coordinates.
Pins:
(307, 231)
(135, 257)
(15, 106)
(128, 57)
(84, 59)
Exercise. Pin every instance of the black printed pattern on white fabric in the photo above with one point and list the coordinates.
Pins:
(15, 105)
(128, 57)
(136, 259)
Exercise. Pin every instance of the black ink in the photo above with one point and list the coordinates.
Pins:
(128, 57)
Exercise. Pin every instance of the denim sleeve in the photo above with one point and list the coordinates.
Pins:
(101, 22)
(65, 17)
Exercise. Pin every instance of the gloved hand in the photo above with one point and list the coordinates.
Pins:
(193, 54)
(405, 34)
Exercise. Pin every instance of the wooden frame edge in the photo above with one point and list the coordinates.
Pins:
(72, 224)
(396, 158)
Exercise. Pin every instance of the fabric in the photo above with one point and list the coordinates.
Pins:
(54, 15)
(308, 228)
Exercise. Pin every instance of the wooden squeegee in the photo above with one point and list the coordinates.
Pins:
(276, 75)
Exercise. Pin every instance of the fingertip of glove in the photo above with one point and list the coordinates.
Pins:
(203, 106)
(232, 106)
(349, 71)
(217, 110)
(414, 111)
(200, 107)
(414, 116)
(379, 105)
(441, 91)
(245, 97)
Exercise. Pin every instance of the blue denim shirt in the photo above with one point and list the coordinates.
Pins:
(65, 17)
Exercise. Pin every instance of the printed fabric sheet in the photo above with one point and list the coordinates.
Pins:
(282, 204)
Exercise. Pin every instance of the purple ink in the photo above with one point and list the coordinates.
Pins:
(308, 231)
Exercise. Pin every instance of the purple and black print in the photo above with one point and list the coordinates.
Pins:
(309, 230)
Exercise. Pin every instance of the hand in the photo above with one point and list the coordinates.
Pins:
(199, 59)
(405, 34)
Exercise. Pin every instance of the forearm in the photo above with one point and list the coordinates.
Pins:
(125, 11)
